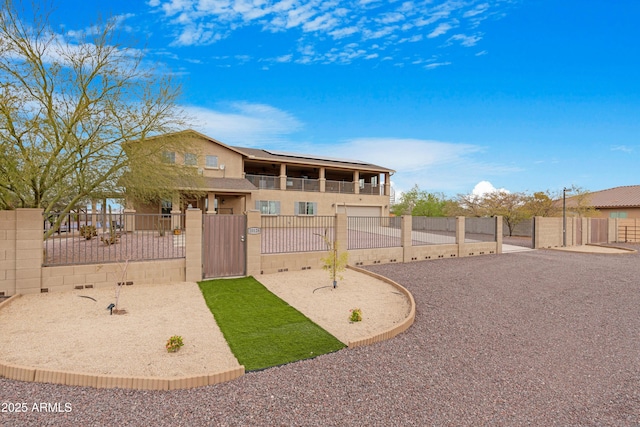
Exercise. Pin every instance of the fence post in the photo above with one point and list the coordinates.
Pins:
(342, 234)
(406, 227)
(460, 235)
(499, 224)
(29, 251)
(254, 243)
(193, 242)
(129, 220)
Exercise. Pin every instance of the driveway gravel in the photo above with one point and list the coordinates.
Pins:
(541, 338)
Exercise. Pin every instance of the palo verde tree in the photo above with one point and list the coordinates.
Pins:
(70, 110)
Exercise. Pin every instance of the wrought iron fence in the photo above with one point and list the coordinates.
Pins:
(291, 233)
(374, 232)
(432, 231)
(88, 238)
(479, 230)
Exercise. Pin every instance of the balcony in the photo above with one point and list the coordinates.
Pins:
(303, 184)
(269, 182)
(345, 187)
(264, 182)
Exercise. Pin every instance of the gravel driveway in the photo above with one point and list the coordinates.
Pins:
(536, 338)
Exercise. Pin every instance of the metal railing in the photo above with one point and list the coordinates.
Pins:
(432, 231)
(264, 182)
(374, 232)
(292, 233)
(303, 184)
(98, 238)
(345, 187)
(628, 233)
(480, 230)
(371, 189)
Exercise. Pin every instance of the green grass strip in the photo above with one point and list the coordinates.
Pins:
(262, 330)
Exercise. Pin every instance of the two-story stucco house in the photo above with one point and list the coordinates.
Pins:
(239, 179)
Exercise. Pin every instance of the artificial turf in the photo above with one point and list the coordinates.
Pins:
(263, 330)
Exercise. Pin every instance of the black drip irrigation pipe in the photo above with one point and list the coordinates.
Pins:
(84, 296)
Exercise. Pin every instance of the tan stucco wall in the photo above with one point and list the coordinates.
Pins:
(606, 212)
(327, 202)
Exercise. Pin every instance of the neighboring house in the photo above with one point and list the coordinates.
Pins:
(239, 179)
(618, 202)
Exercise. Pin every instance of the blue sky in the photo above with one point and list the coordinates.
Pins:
(528, 95)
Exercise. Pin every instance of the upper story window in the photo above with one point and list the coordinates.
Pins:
(190, 159)
(374, 181)
(169, 157)
(212, 161)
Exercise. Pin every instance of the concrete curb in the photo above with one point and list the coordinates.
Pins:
(391, 332)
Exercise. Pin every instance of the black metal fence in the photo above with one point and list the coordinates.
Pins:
(480, 230)
(369, 232)
(85, 238)
(432, 231)
(292, 233)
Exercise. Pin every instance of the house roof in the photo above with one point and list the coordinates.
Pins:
(309, 159)
(236, 185)
(617, 197)
(288, 157)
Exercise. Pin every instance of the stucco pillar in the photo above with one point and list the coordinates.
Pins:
(499, 232)
(341, 233)
(322, 180)
(460, 234)
(283, 176)
(254, 243)
(129, 220)
(387, 184)
(175, 213)
(406, 228)
(193, 243)
(29, 251)
(211, 203)
(356, 182)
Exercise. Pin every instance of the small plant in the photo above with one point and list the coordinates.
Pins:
(356, 315)
(88, 231)
(174, 343)
(160, 228)
(336, 261)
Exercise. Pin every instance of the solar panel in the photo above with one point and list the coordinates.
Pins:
(315, 157)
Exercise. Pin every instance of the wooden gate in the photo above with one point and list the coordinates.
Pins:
(224, 249)
(599, 230)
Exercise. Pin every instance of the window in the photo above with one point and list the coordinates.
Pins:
(361, 181)
(169, 157)
(212, 161)
(268, 207)
(190, 159)
(617, 215)
(165, 208)
(306, 208)
(374, 181)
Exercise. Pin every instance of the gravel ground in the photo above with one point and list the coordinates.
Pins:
(538, 338)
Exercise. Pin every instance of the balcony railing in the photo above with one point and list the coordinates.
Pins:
(303, 184)
(264, 182)
(339, 187)
(371, 189)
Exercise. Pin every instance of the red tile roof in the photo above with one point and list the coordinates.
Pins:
(618, 197)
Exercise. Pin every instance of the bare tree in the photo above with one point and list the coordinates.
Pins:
(68, 110)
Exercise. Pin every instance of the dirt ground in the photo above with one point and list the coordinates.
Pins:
(73, 331)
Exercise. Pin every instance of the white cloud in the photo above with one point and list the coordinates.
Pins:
(485, 187)
(328, 24)
(433, 165)
(244, 124)
(439, 30)
(623, 148)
